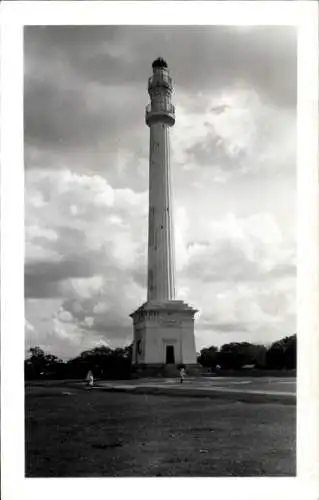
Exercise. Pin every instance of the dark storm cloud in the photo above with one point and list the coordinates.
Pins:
(56, 115)
(261, 55)
(77, 77)
(217, 110)
(40, 288)
(42, 278)
(283, 270)
(225, 327)
(57, 112)
(75, 266)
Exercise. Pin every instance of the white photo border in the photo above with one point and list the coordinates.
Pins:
(13, 16)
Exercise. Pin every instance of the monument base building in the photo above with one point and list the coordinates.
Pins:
(164, 334)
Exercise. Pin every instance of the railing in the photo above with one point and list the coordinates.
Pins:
(160, 78)
(160, 108)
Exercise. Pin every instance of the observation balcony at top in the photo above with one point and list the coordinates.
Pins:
(160, 112)
(160, 78)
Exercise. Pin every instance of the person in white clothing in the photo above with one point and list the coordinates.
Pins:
(182, 374)
(89, 379)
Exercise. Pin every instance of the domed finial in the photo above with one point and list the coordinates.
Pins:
(159, 63)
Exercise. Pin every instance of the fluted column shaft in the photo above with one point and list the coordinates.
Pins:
(161, 272)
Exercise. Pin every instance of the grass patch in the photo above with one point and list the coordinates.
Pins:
(97, 433)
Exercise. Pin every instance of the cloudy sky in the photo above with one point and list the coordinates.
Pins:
(86, 180)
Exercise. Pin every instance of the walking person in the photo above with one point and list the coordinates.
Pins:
(89, 379)
(182, 374)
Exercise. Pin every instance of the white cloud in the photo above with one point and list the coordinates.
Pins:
(241, 277)
(88, 321)
(127, 198)
(64, 316)
(101, 307)
(28, 326)
(245, 137)
(41, 232)
(92, 252)
(86, 287)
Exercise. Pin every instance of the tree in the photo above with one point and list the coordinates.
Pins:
(259, 355)
(41, 365)
(103, 361)
(36, 352)
(236, 354)
(291, 352)
(283, 353)
(208, 357)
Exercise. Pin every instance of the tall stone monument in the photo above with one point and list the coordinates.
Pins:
(163, 326)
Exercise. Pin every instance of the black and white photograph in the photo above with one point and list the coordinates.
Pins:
(160, 183)
(160, 250)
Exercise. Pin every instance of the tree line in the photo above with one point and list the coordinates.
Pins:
(104, 362)
(282, 354)
(107, 363)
